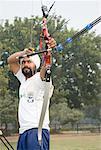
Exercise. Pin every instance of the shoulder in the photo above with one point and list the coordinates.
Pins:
(37, 79)
(37, 76)
(20, 75)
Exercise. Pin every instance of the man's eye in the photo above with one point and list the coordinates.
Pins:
(29, 61)
(23, 62)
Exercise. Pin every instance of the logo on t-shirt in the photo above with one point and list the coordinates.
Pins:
(30, 98)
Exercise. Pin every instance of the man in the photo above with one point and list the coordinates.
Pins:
(31, 94)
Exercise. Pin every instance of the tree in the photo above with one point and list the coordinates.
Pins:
(8, 103)
(61, 114)
(81, 74)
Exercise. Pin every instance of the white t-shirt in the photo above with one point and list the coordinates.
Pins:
(31, 95)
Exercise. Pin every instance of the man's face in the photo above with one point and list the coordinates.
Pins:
(28, 67)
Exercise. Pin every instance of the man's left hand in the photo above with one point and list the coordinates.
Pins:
(52, 43)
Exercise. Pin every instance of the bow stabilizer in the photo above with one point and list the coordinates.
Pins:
(88, 27)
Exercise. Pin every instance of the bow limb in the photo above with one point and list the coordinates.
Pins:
(47, 95)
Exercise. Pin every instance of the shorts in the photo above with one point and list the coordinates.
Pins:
(29, 140)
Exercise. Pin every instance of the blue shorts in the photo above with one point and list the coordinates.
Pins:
(29, 140)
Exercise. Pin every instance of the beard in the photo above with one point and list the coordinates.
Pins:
(27, 72)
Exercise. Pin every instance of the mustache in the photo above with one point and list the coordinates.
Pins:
(26, 68)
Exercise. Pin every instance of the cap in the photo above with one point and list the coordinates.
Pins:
(36, 60)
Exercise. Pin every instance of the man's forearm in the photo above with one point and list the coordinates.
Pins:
(43, 72)
(13, 58)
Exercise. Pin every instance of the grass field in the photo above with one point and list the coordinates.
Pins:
(68, 142)
(76, 142)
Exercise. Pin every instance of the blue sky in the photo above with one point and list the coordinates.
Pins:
(80, 12)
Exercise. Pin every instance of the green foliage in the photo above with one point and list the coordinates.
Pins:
(60, 113)
(80, 72)
(8, 102)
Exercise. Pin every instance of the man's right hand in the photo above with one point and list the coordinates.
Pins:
(28, 50)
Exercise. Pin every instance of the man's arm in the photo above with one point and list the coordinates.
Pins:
(14, 62)
(43, 72)
(52, 44)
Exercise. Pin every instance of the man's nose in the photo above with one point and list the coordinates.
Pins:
(26, 63)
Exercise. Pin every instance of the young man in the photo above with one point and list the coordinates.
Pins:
(31, 95)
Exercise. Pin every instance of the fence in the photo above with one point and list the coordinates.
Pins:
(77, 128)
(87, 127)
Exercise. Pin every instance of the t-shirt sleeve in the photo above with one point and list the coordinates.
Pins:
(20, 75)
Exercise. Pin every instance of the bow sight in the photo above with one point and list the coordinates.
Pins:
(45, 11)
